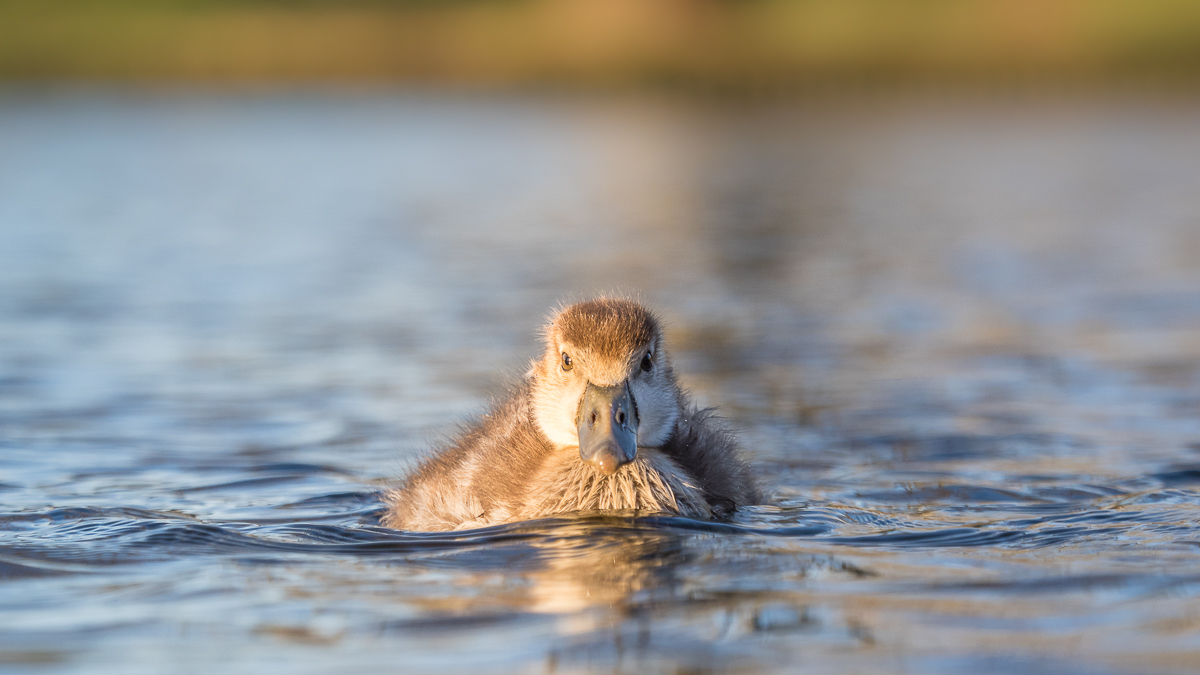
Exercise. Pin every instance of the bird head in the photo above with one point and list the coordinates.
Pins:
(604, 383)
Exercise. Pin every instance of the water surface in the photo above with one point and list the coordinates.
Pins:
(961, 341)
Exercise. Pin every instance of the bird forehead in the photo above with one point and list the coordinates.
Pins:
(607, 329)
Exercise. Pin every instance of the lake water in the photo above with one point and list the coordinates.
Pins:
(960, 339)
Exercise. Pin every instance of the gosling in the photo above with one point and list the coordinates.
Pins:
(598, 423)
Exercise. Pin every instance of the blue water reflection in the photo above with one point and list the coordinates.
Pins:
(961, 340)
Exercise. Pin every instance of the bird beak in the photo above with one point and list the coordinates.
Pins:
(608, 425)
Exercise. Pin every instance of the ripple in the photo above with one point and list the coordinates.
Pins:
(130, 535)
(960, 343)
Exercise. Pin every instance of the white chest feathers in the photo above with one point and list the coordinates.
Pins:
(651, 482)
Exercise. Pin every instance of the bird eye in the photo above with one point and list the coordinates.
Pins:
(566, 362)
(647, 362)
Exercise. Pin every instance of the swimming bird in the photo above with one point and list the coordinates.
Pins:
(598, 423)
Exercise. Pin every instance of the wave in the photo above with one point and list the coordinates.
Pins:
(60, 540)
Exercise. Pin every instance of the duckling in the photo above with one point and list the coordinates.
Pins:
(598, 423)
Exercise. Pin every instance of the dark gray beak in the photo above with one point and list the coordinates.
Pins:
(607, 427)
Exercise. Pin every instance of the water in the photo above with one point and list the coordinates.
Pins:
(961, 340)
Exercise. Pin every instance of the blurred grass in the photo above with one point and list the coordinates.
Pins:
(496, 42)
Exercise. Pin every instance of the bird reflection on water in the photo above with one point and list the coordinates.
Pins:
(618, 587)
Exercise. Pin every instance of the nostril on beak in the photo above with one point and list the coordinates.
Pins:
(607, 425)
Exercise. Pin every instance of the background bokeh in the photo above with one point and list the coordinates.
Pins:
(719, 44)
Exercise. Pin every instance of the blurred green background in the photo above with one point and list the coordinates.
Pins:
(719, 43)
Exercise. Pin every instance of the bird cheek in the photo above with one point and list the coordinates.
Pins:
(572, 398)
